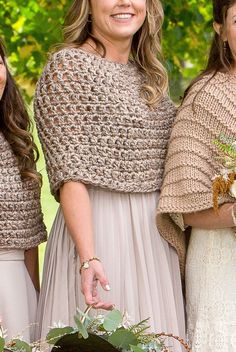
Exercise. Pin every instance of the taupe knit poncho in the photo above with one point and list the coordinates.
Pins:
(191, 160)
(95, 128)
(21, 219)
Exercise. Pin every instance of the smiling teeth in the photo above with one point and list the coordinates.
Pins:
(123, 16)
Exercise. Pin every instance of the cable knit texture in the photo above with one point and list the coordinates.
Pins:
(21, 219)
(191, 160)
(95, 128)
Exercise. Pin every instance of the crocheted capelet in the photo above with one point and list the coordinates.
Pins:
(95, 128)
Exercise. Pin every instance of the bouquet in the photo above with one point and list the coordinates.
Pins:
(225, 182)
(112, 332)
(107, 333)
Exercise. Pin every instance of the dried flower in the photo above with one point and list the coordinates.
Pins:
(225, 182)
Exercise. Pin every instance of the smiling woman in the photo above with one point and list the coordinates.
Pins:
(104, 119)
(112, 23)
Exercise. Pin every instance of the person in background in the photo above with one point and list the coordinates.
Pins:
(21, 220)
(207, 111)
(104, 119)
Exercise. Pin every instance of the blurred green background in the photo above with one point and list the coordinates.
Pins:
(30, 28)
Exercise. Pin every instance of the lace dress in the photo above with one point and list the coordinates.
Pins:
(211, 290)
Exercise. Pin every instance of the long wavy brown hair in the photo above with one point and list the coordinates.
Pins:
(220, 56)
(146, 46)
(15, 125)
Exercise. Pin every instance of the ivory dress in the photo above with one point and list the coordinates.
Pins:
(95, 128)
(208, 111)
(211, 290)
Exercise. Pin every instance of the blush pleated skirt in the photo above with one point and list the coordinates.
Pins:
(142, 268)
(18, 299)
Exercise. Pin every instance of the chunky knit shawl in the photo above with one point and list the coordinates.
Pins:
(21, 220)
(208, 111)
(95, 128)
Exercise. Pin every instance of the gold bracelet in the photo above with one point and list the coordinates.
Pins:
(86, 263)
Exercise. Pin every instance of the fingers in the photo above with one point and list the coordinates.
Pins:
(94, 292)
(92, 298)
(89, 280)
(104, 305)
(89, 288)
(103, 281)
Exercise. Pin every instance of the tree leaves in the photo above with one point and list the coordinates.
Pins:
(36, 25)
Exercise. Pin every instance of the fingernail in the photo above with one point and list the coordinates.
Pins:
(107, 287)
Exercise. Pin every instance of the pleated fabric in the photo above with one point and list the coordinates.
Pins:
(18, 298)
(142, 269)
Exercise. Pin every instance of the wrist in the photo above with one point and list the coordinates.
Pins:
(84, 255)
(86, 264)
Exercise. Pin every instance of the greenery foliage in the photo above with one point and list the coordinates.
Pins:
(187, 35)
(112, 332)
(29, 29)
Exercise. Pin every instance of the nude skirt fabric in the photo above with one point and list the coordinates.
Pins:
(142, 268)
(18, 299)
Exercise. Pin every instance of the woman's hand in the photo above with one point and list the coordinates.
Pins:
(77, 210)
(89, 281)
(210, 219)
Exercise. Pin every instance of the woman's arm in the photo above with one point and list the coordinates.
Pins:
(76, 207)
(32, 265)
(210, 219)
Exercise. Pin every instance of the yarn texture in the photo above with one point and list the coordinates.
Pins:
(208, 111)
(94, 126)
(21, 219)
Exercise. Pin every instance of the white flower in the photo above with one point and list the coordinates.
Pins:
(127, 321)
(229, 162)
(225, 173)
(100, 318)
(232, 191)
(59, 325)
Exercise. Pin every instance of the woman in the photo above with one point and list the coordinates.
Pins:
(104, 119)
(21, 225)
(208, 110)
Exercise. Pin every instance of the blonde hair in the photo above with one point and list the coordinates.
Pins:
(146, 45)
